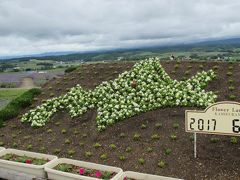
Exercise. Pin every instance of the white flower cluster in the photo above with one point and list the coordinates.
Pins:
(76, 101)
(118, 99)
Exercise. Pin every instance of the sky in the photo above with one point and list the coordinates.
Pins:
(38, 26)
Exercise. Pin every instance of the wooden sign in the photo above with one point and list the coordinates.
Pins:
(221, 118)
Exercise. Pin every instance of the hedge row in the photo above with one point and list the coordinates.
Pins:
(70, 69)
(14, 107)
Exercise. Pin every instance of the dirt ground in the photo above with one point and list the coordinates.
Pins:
(73, 138)
(27, 83)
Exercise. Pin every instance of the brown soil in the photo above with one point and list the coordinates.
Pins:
(27, 83)
(219, 160)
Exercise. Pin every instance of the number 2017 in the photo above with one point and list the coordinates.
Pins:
(201, 124)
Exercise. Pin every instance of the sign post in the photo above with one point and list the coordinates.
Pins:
(195, 145)
(222, 118)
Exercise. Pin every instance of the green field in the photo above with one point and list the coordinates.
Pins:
(7, 94)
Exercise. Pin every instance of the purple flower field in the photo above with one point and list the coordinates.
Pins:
(38, 77)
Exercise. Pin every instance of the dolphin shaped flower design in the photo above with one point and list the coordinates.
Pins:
(145, 87)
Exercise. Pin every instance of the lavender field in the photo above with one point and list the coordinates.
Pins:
(39, 78)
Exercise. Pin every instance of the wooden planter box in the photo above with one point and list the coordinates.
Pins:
(37, 170)
(59, 175)
(2, 148)
(142, 176)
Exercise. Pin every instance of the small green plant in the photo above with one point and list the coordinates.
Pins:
(14, 145)
(158, 125)
(103, 156)
(161, 164)
(232, 97)
(63, 131)
(67, 141)
(75, 132)
(155, 137)
(84, 135)
(97, 145)
(1, 143)
(122, 135)
(112, 146)
(176, 66)
(229, 73)
(26, 137)
(57, 123)
(173, 137)
(122, 158)
(175, 125)
(56, 151)
(81, 144)
(136, 137)
(64, 167)
(215, 67)
(49, 131)
(231, 88)
(214, 140)
(230, 81)
(149, 149)
(128, 149)
(14, 135)
(29, 147)
(141, 161)
(168, 151)
(42, 149)
(88, 154)
(13, 126)
(187, 73)
(201, 66)
(191, 138)
(233, 140)
(71, 152)
(143, 126)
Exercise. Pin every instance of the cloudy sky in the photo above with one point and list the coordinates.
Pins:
(37, 26)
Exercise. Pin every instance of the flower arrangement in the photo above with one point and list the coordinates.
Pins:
(85, 171)
(24, 159)
(145, 87)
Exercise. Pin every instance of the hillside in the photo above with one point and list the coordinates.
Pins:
(148, 136)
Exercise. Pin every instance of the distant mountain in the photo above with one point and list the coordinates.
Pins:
(104, 54)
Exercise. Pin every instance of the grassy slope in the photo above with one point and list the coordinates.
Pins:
(11, 93)
(7, 94)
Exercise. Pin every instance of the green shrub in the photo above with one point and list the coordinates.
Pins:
(13, 108)
(168, 151)
(234, 140)
(70, 69)
(232, 97)
(214, 140)
(141, 161)
(161, 164)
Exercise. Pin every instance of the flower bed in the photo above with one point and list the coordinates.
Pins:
(145, 87)
(130, 175)
(24, 161)
(68, 169)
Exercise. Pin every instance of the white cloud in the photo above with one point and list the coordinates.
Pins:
(28, 26)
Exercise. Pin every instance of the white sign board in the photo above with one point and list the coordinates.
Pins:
(220, 118)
